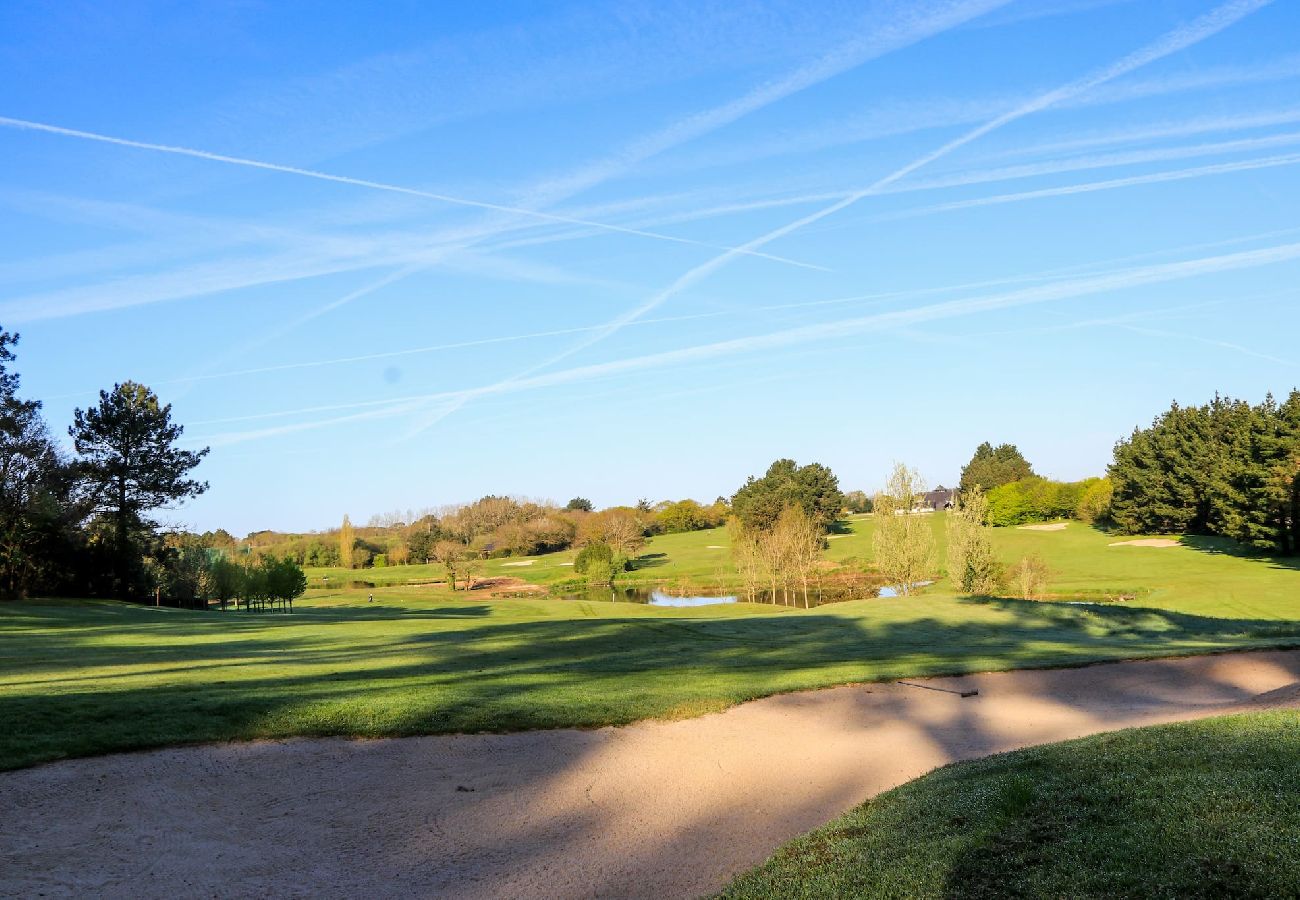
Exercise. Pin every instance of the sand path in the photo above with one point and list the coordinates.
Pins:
(656, 809)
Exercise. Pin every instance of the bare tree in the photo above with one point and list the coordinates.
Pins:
(801, 544)
(449, 553)
(972, 566)
(903, 539)
(1030, 575)
(747, 555)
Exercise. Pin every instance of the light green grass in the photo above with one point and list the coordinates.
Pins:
(93, 677)
(79, 678)
(1205, 809)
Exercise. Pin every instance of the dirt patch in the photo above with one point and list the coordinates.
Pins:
(1049, 526)
(1147, 542)
(655, 809)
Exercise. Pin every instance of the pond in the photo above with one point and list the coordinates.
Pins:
(658, 596)
(891, 590)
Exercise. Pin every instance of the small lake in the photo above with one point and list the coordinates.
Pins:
(890, 590)
(657, 596)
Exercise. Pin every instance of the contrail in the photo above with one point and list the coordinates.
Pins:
(1248, 165)
(931, 21)
(834, 330)
(1180, 39)
(553, 218)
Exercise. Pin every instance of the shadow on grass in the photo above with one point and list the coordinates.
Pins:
(1222, 546)
(210, 677)
(648, 561)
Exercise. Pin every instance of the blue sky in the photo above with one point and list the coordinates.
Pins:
(398, 256)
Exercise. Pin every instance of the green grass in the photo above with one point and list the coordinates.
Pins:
(1206, 809)
(79, 678)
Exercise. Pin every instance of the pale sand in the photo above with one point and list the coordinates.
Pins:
(522, 562)
(1052, 526)
(715, 547)
(656, 809)
(1147, 542)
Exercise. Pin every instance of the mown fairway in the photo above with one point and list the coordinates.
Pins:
(1204, 809)
(80, 678)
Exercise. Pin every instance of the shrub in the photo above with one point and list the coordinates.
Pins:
(594, 554)
(380, 561)
(1030, 577)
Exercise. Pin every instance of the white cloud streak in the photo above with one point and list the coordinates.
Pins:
(825, 331)
(1199, 30)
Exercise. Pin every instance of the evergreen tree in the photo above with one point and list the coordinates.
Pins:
(992, 467)
(814, 488)
(35, 484)
(126, 445)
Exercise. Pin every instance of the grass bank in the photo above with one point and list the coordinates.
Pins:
(1205, 809)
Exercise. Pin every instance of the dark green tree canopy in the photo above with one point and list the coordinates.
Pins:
(127, 453)
(579, 503)
(36, 487)
(814, 488)
(992, 467)
(130, 465)
(1225, 468)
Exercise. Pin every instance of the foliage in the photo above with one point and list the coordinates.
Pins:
(1094, 503)
(621, 527)
(904, 540)
(1226, 468)
(599, 563)
(1034, 500)
(347, 543)
(37, 502)
(760, 501)
(580, 504)
(857, 502)
(128, 458)
(1030, 577)
(1196, 809)
(973, 567)
(688, 515)
(991, 467)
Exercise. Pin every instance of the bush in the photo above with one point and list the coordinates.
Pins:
(1030, 577)
(594, 554)
(1035, 500)
(380, 561)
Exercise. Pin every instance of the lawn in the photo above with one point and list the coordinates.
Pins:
(1204, 809)
(86, 677)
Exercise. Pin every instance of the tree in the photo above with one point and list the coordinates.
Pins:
(35, 484)
(620, 527)
(972, 566)
(128, 457)
(857, 502)
(759, 501)
(347, 543)
(747, 554)
(450, 554)
(599, 563)
(800, 545)
(992, 467)
(224, 580)
(579, 504)
(285, 581)
(903, 539)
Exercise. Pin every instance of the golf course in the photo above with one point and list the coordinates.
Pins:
(92, 677)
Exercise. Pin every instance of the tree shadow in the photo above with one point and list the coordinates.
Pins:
(647, 561)
(1221, 546)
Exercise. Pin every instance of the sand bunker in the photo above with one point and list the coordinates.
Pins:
(1147, 542)
(522, 562)
(715, 547)
(655, 809)
(1051, 526)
